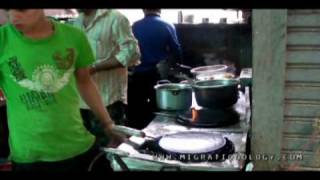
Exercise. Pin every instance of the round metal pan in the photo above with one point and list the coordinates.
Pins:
(195, 142)
(190, 147)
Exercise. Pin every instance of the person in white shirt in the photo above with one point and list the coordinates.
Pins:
(115, 47)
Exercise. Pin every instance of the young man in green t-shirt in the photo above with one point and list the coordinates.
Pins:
(43, 71)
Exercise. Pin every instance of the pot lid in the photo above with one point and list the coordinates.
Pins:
(173, 86)
(192, 142)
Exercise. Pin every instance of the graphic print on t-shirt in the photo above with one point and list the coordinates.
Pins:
(15, 69)
(46, 79)
(37, 100)
(64, 62)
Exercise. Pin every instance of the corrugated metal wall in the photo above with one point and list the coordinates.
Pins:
(301, 127)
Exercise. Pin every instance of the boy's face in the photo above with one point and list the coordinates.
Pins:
(25, 19)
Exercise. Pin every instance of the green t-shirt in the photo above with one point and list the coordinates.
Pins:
(37, 77)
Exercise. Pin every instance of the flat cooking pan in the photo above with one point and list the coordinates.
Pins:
(190, 146)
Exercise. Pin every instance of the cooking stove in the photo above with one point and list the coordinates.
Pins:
(209, 118)
(128, 156)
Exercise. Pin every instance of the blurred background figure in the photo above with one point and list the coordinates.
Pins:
(157, 41)
(3, 17)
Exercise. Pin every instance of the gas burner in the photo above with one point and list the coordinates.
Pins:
(209, 118)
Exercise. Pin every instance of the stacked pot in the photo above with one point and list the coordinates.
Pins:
(215, 92)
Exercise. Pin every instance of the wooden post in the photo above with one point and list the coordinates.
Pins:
(269, 59)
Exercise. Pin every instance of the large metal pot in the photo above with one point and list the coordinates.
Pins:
(216, 93)
(173, 96)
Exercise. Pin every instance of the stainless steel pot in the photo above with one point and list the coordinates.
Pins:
(173, 96)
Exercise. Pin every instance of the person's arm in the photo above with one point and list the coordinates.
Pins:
(110, 63)
(128, 53)
(88, 90)
(91, 96)
(174, 44)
